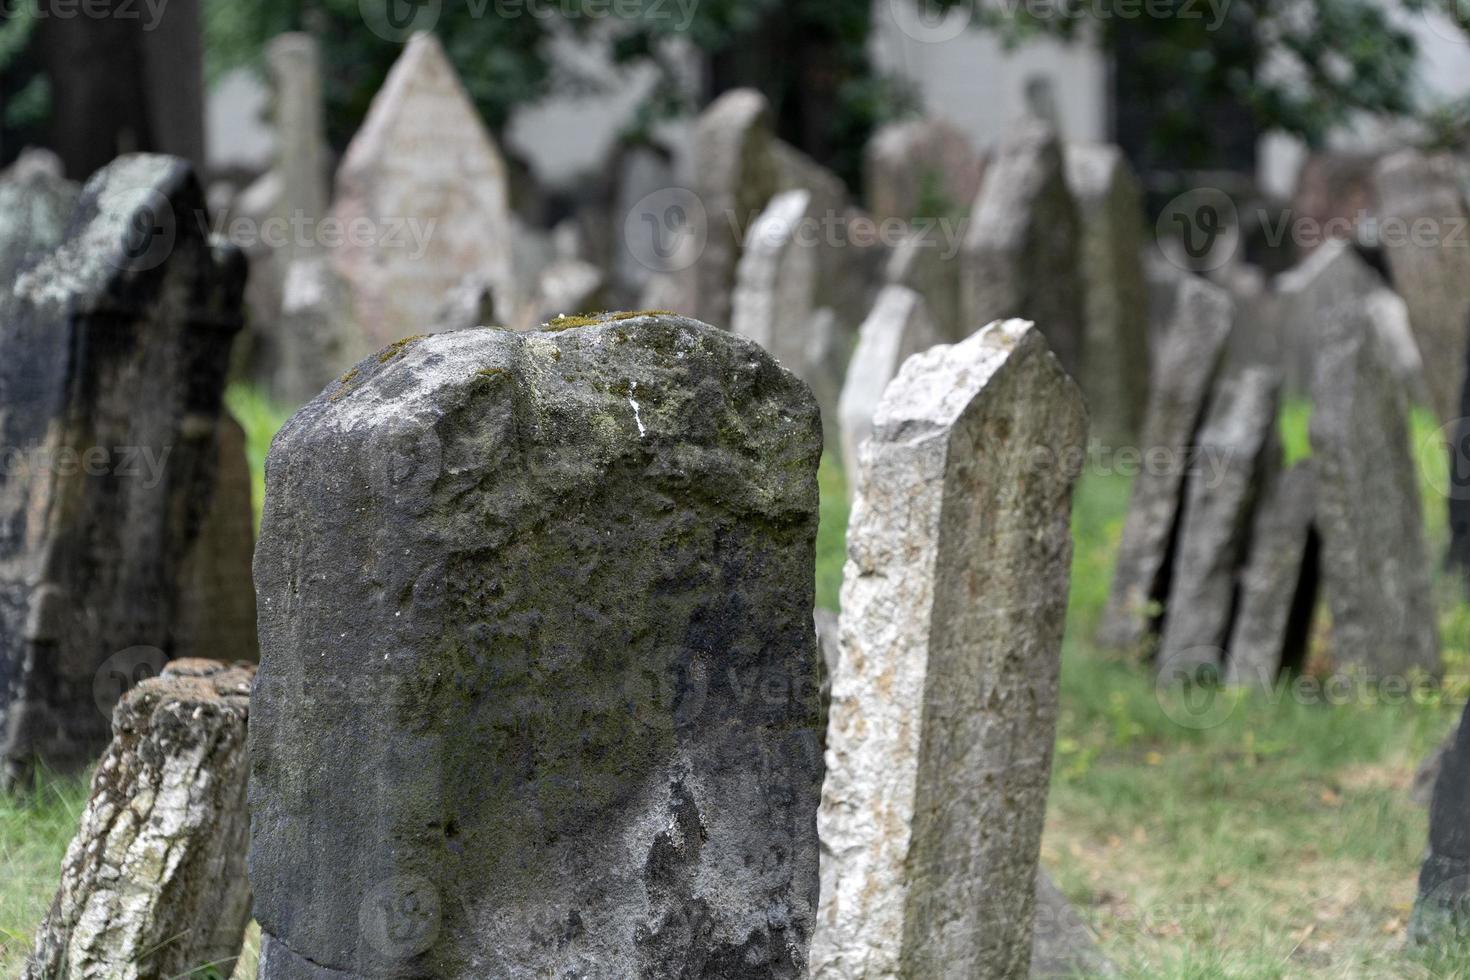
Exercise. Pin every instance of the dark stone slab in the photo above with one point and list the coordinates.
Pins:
(539, 691)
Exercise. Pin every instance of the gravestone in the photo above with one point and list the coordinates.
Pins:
(117, 344)
(426, 182)
(777, 298)
(945, 701)
(736, 175)
(216, 615)
(1115, 349)
(898, 328)
(1375, 568)
(317, 339)
(920, 168)
(539, 691)
(1188, 363)
(35, 204)
(1424, 217)
(1064, 948)
(1278, 582)
(642, 171)
(1334, 193)
(1234, 453)
(1021, 255)
(301, 142)
(924, 263)
(1442, 910)
(153, 886)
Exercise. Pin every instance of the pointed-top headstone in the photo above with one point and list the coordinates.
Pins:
(898, 328)
(1021, 251)
(920, 168)
(425, 182)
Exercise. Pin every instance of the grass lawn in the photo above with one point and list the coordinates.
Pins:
(1277, 843)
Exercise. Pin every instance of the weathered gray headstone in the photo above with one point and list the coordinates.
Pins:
(898, 328)
(1425, 219)
(1334, 192)
(921, 168)
(117, 344)
(153, 886)
(1278, 582)
(1188, 363)
(301, 137)
(35, 204)
(426, 180)
(565, 580)
(1021, 253)
(736, 175)
(642, 171)
(216, 615)
(1375, 568)
(316, 339)
(923, 262)
(1233, 456)
(1115, 351)
(945, 701)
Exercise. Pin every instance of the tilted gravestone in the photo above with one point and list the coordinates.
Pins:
(117, 344)
(153, 886)
(1233, 455)
(944, 704)
(1188, 363)
(539, 690)
(1021, 253)
(1375, 567)
(1426, 228)
(425, 187)
(1115, 354)
(1278, 582)
(736, 175)
(898, 328)
(1442, 909)
(921, 168)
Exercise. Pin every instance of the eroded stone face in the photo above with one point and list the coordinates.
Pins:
(540, 692)
(945, 697)
(117, 343)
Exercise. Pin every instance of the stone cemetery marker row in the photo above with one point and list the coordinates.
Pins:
(565, 581)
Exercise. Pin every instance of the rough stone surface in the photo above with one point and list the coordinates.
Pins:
(944, 704)
(566, 580)
(922, 262)
(1375, 568)
(1278, 582)
(1188, 363)
(216, 615)
(1442, 910)
(35, 204)
(422, 154)
(1115, 354)
(921, 168)
(1021, 253)
(117, 344)
(1063, 948)
(153, 886)
(1233, 454)
(898, 328)
(736, 175)
(1430, 271)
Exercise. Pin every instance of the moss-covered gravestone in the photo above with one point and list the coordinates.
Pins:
(540, 690)
(116, 347)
